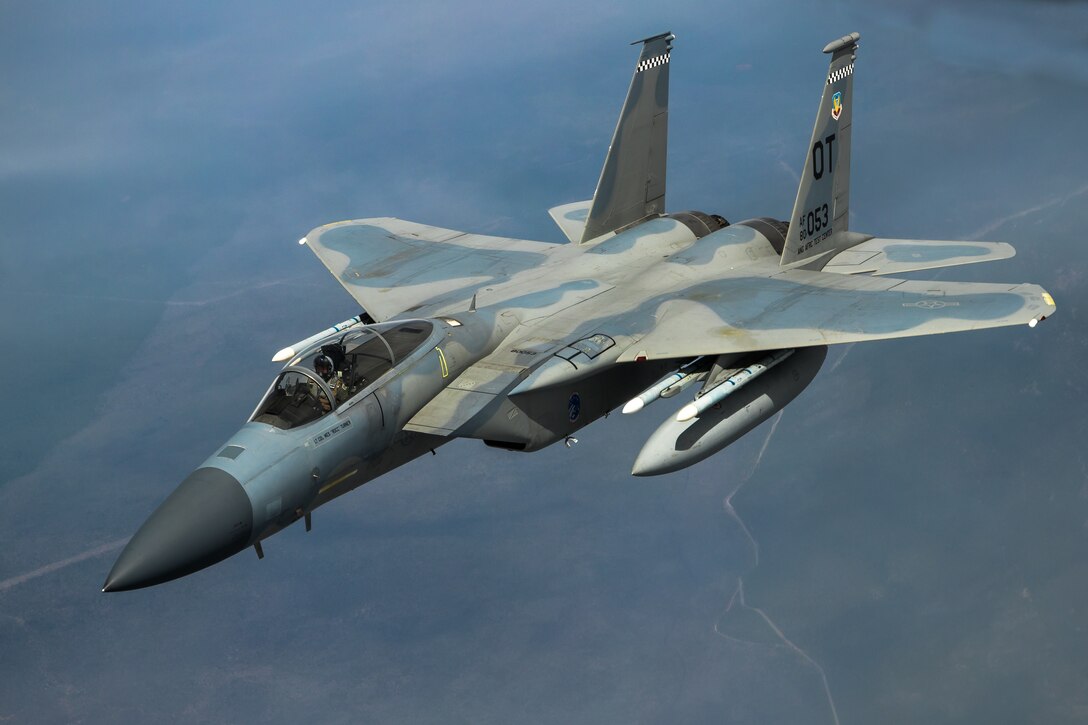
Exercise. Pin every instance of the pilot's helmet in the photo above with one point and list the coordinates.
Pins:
(323, 366)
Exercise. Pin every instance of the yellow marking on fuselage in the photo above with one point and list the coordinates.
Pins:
(442, 363)
(340, 480)
(1048, 299)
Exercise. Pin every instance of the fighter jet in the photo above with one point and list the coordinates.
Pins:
(519, 344)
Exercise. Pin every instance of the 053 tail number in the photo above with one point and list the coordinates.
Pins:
(813, 222)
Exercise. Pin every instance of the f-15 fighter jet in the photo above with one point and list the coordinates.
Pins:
(520, 343)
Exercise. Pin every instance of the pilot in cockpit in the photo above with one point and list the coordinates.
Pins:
(323, 366)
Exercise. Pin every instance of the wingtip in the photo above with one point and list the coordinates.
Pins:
(1051, 308)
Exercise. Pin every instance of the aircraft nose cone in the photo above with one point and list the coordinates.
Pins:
(205, 520)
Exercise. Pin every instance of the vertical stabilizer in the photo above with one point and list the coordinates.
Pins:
(821, 212)
(632, 183)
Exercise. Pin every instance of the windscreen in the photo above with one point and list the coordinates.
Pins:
(356, 360)
(294, 400)
(352, 361)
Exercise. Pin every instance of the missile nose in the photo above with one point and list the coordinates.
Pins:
(206, 519)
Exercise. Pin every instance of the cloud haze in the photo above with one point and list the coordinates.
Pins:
(918, 512)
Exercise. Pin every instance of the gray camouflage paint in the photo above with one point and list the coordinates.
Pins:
(533, 341)
(894, 256)
(632, 183)
(821, 188)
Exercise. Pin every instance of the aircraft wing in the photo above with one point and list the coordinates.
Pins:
(896, 256)
(799, 308)
(391, 266)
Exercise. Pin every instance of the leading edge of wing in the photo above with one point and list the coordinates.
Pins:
(800, 309)
(391, 266)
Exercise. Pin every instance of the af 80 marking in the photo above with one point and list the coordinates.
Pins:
(814, 222)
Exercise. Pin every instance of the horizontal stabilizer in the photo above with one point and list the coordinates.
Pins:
(571, 218)
(896, 256)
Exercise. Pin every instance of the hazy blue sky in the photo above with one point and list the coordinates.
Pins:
(914, 525)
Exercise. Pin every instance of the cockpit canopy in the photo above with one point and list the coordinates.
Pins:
(336, 369)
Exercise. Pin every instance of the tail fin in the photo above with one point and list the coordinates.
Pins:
(632, 183)
(820, 213)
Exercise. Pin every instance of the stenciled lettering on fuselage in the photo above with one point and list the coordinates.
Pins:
(326, 435)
